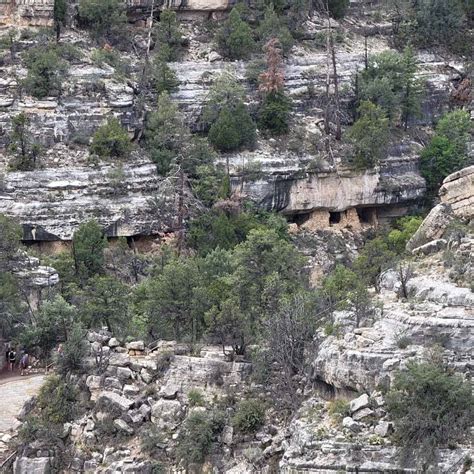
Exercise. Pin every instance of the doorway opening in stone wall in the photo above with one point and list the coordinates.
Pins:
(367, 215)
(298, 219)
(334, 218)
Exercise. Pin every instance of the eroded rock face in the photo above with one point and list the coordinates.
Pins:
(457, 202)
(27, 12)
(457, 191)
(52, 203)
(368, 357)
(40, 12)
(24, 465)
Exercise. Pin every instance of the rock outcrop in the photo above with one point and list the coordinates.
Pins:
(457, 192)
(457, 202)
(128, 200)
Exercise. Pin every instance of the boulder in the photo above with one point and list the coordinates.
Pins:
(214, 56)
(431, 247)
(119, 359)
(114, 343)
(124, 373)
(358, 403)
(169, 391)
(114, 399)
(91, 465)
(363, 413)
(432, 228)
(112, 382)
(458, 192)
(227, 435)
(146, 376)
(23, 465)
(166, 413)
(93, 382)
(383, 429)
(27, 407)
(102, 336)
(145, 410)
(130, 390)
(136, 346)
(123, 426)
(351, 424)
(134, 416)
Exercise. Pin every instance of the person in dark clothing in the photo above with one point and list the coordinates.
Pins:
(11, 358)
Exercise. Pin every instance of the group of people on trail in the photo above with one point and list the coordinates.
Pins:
(12, 356)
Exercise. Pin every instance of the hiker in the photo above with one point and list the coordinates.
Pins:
(24, 362)
(11, 359)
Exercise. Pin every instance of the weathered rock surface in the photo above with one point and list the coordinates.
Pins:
(458, 192)
(51, 204)
(457, 202)
(25, 465)
(368, 357)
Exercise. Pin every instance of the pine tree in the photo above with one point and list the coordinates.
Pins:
(274, 26)
(24, 149)
(168, 35)
(88, 244)
(274, 111)
(59, 16)
(235, 37)
(165, 134)
(369, 135)
(164, 78)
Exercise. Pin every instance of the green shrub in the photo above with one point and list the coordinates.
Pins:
(390, 81)
(403, 341)
(46, 71)
(374, 258)
(59, 16)
(233, 129)
(103, 17)
(111, 140)
(168, 35)
(431, 407)
(249, 416)
(332, 329)
(111, 57)
(439, 23)
(75, 351)
(338, 409)
(405, 227)
(273, 26)
(164, 78)
(10, 235)
(338, 8)
(274, 113)
(56, 401)
(447, 151)
(165, 135)
(34, 429)
(196, 398)
(106, 428)
(197, 435)
(151, 438)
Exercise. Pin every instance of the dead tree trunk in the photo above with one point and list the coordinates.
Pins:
(181, 211)
(143, 77)
(336, 89)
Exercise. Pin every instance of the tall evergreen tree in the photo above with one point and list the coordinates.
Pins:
(235, 37)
